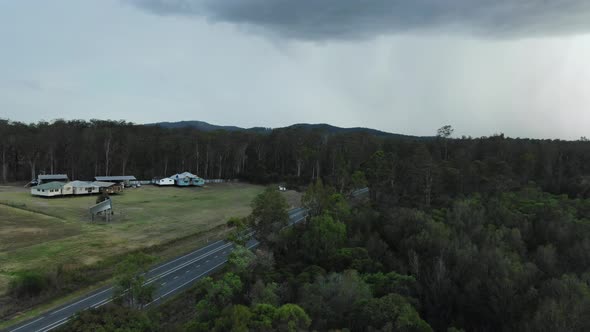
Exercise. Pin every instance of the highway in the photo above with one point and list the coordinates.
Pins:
(360, 192)
(170, 278)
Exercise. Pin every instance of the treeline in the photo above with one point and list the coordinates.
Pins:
(425, 171)
(84, 149)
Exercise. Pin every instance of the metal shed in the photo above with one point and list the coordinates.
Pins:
(44, 178)
(127, 180)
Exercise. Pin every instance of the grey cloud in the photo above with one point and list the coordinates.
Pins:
(354, 19)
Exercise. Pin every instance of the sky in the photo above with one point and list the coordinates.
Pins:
(517, 67)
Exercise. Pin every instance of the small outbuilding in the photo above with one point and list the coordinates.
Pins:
(126, 180)
(48, 189)
(108, 187)
(187, 179)
(164, 182)
(83, 187)
(102, 208)
(182, 179)
(197, 181)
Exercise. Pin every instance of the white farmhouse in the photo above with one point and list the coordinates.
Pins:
(49, 189)
(82, 187)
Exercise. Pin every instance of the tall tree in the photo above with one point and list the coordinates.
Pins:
(445, 132)
(269, 215)
(130, 284)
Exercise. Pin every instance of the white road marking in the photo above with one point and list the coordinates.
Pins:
(172, 261)
(100, 304)
(20, 327)
(183, 265)
(191, 280)
(54, 325)
(82, 300)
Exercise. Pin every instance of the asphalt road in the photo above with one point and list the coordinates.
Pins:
(170, 278)
(360, 192)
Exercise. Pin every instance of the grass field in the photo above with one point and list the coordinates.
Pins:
(40, 233)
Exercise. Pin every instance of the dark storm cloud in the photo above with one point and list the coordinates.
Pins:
(351, 19)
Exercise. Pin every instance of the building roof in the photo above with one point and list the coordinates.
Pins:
(103, 184)
(50, 185)
(115, 178)
(184, 175)
(52, 176)
(81, 184)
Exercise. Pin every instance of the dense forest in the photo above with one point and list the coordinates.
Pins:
(512, 261)
(424, 171)
(473, 234)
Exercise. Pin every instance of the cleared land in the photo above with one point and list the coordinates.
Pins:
(40, 233)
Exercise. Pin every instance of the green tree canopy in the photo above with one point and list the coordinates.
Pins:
(323, 236)
(392, 311)
(269, 215)
(130, 284)
(331, 300)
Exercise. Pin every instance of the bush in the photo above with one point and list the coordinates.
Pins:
(111, 318)
(29, 283)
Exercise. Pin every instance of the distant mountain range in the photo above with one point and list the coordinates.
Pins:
(201, 125)
(204, 126)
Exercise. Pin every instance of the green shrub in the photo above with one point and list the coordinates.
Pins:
(29, 283)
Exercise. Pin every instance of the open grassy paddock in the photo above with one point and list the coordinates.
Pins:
(40, 233)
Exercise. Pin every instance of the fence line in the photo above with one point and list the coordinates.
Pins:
(206, 181)
(220, 180)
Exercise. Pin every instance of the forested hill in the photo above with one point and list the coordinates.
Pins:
(339, 130)
(202, 125)
(323, 127)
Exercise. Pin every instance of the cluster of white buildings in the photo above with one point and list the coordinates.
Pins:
(181, 179)
(59, 185)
